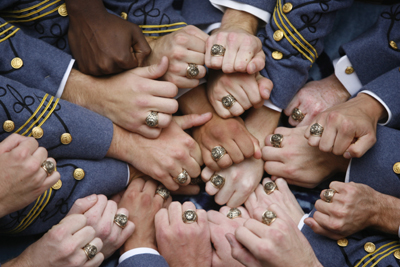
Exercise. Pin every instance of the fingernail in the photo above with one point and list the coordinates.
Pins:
(307, 223)
(266, 93)
(229, 240)
(347, 155)
(91, 198)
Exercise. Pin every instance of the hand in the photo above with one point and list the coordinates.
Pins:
(297, 162)
(349, 128)
(240, 181)
(100, 216)
(353, 208)
(249, 90)
(243, 49)
(127, 98)
(22, 179)
(280, 244)
(165, 157)
(315, 97)
(232, 135)
(183, 244)
(220, 225)
(181, 47)
(259, 201)
(103, 43)
(62, 246)
(142, 202)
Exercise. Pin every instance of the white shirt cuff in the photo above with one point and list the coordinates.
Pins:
(398, 233)
(377, 98)
(129, 174)
(301, 222)
(268, 104)
(137, 251)
(349, 81)
(60, 90)
(347, 178)
(211, 27)
(181, 92)
(224, 4)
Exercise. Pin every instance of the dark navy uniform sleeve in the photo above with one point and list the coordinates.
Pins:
(292, 42)
(376, 51)
(64, 129)
(144, 260)
(79, 178)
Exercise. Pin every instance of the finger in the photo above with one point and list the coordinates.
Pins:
(13, 141)
(214, 62)
(175, 213)
(51, 180)
(324, 207)
(208, 160)
(192, 120)
(161, 220)
(247, 238)
(162, 105)
(192, 30)
(362, 145)
(137, 185)
(169, 89)
(248, 48)
(150, 133)
(226, 161)
(277, 169)
(180, 68)
(265, 87)
(244, 214)
(26, 147)
(234, 151)
(225, 193)
(154, 71)
(257, 63)
(84, 236)
(192, 167)
(202, 218)
(73, 223)
(211, 189)
(125, 233)
(273, 154)
(246, 145)
(320, 230)
(140, 45)
(240, 253)
(94, 214)
(238, 198)
(231, 53)
(206, 174)
(327, 140)
(82, 205)
(96, 261)
(180, 81)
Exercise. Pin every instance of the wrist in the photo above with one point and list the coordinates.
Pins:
(78, 9)
(372, 107)
(341, 91)
(239, 19)
(135, 242)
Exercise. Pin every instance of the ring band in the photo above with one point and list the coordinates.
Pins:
(270, 187)
(121, 220)
(268, 217)
(48, 167)
(189, 216)
(182, 177)
(217, 181)
(90, 251)
(276, 140)
(328, 195)
(217, 50)
(234, 213)
(228, 101)
(192, 71)
(152, 119)
(316, 129)
(297, 115)
(163, 192)
(218, 152)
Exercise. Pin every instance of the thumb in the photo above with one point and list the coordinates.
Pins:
(265, 86)
(358, 148)
(192, 120)
(154, 71)
(318, 229)
(257, 63)
(83, 204)
(257, 149)
(241, 254)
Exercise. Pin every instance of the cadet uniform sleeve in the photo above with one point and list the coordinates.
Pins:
(144, 260)
(64, 129)
(79, 178)
(292, 42)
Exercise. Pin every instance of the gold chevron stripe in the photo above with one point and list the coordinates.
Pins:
(32, 13)
(25, 9)
(34, 113)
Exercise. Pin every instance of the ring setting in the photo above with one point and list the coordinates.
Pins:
(268, 217)
(152, 119)
(189, 216)
(217, 181)
(228, 101)
(217, 50)
(192, 71)
(48, 167)
(316, 129)
(297, 115)
(163, 192)
(218, 152)
(90, 251)
(270, 187)
(121, 220)
(182, 177)
(328, 195)
(234, 213)
(276, 140)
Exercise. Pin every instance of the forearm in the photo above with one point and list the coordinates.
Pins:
(386, 214)
(262, 122)
(239, 19)
(78, 9)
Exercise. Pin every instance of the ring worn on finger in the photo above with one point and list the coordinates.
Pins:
(189, 216)
(163, 192)
(48, 167)
(268, 217)
(217, 50)
(217, 181)
(270, 187)
(228, 101)
(316, 129)
(276, 140)
(218, 152)
(121, 220)
(90, 251)
(152, 119)
(192, 71)
(328, 195)
(182, 177)
(297, 115)
(234, 213)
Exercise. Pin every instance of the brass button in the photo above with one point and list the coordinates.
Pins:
(396, 254)
(343, 242)
(278, 35)
(393, 44)
(369, 247)
(17, 63)
(349, 70)
(396, 168)
(124, 15)
(8, 126)
(66, 138)
(57, 185)
(277, 55)
(62, 10)
(79, 174)
(37, 132)
(287, 7)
